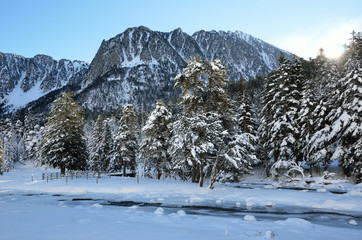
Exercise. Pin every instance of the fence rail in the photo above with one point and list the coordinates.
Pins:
(48, 176)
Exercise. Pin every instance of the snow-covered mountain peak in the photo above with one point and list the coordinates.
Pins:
(24, 80)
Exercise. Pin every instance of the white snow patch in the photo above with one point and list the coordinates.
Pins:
(269, 234)
(249, 218)
(181, 213)
(355, 193)
(321, 190)
(159, 211)
(97, 205)
(294, 222)
(353, 222)
(18, 98)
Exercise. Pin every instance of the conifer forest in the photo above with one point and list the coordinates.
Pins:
(295, 121)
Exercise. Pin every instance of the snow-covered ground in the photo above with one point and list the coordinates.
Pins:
(119, 208)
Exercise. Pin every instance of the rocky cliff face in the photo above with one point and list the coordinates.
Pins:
(23, 80)
(137, 66)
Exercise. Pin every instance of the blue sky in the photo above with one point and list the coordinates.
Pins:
(74, 29)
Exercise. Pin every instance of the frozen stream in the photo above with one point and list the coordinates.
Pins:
(121, 208)
(331, 218)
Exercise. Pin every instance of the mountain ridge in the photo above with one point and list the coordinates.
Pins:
(138, 65)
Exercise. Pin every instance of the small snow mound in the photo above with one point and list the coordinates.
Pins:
(97, 205)
(159, 211)
(181, 213)
(269, 234)
(249, 218)
(133, 207)
(321, 190)
(249, 201)
(295, 222)
(269, 204)
(238, 204)
(355, 193)
(353, 222)
(160, 199)
(218, 202)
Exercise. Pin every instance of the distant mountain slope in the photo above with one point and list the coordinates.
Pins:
(137, 66)
(23, 80)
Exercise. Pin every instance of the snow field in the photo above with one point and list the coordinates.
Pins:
(48, 210)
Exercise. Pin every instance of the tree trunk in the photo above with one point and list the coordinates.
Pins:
(311, 170)
(124, 168)
(201, 182)
(158, 169)
(193, 172)
(62, 169)
(213, 172)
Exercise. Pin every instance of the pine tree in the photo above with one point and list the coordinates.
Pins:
(1, 158)
(319, 96)
(10, 148)
(63, 143)
(126, 143)
(188, 129)
(96, 152)
(107, 144)
(201, 136)
(155, 144)
(348, 124)
(280, 126)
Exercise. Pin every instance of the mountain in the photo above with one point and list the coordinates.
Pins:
(23, 80)
(137, 66)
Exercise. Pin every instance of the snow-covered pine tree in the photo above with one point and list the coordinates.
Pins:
(108, 145)
(319, 98)
(63, 143)
(96, 151)
(234, 153)
(280, 125)
(155, 144)
(189, 128)
(126, 143)
(1, 158)
(11, 154)
(271, 99)
(348, 124)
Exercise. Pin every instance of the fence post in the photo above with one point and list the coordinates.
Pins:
(138, 178)
(47, 177)
(32, 177)
(66, 178)
(97, 177)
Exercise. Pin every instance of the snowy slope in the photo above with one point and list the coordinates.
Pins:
(24, 80)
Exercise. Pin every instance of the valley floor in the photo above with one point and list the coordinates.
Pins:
(120, 208)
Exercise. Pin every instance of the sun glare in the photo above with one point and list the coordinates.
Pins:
(334, 51)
